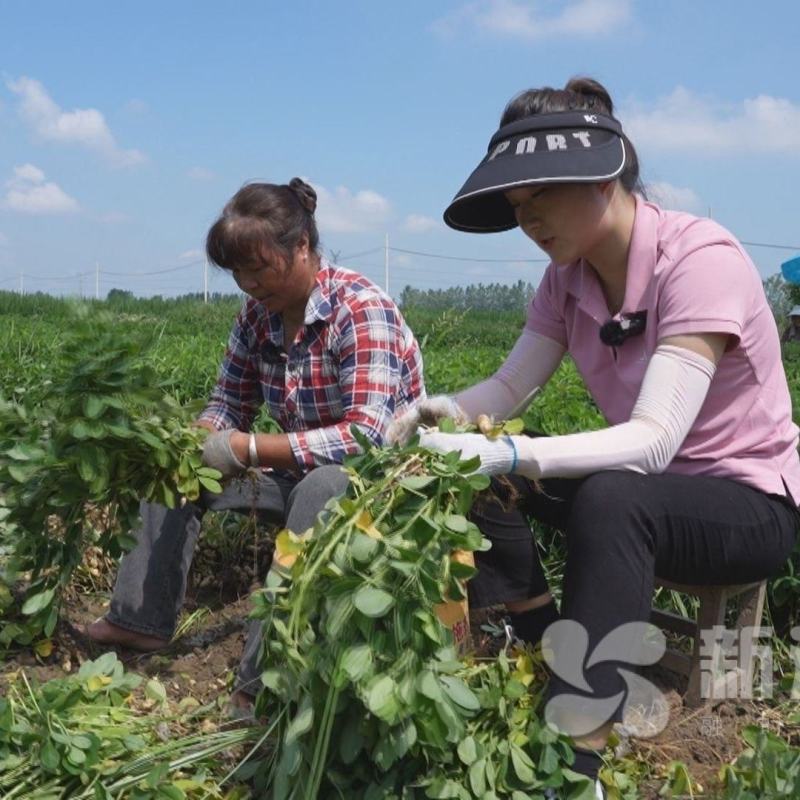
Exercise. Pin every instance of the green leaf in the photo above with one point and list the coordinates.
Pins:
(477, 777)
(80, 430)
(357, 661)
(209, 483)
(301, 723)
(171, 792)
(155, 690)
(429, 686)
(93, 406)
(24, 452)
(38, 602)
(83, 742)
(381, 699)
(460, 693)
(478, 481)
(417, 482)
(514, 426)
(350, 744)
(22, 473)
(372, 602)
(468, 750)
(49, 757)
(362, 547)
(522, 764)
(456, 523)
(462, 571)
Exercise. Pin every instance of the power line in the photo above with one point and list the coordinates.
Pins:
(362, 253)
(57, 277)
(465, 258)
(154, 272)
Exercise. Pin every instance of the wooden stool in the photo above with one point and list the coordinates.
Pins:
(706, 684)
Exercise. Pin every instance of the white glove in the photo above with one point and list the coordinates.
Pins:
(425, 412)
(218, 454)
(498, 456)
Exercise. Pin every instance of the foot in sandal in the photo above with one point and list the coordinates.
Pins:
(104, 632)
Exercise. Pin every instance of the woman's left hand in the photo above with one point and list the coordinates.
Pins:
(226, 451)
(498, 456)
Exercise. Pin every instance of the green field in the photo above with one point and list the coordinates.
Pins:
(182, 342)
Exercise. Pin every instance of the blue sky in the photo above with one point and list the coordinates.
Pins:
(124, 127)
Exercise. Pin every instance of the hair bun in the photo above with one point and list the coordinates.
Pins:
(305, 194)
(593, 91)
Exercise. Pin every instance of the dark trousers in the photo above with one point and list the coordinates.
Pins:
(622, 529)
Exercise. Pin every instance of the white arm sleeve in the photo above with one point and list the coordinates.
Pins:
(531, 362)
(674, 388)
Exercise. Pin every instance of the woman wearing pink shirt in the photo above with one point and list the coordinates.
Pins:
(697, 477)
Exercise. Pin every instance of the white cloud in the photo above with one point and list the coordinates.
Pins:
(191, 255)
(344, 211)
(82, 126)
(686, 121)
(418, 223)
(530, 20)
(677, 198)
(29, 192)
(200, 174)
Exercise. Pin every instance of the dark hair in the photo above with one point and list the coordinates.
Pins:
(259, 215)
(580, 94)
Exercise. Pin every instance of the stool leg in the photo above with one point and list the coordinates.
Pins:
(713, 601)
(751, 610)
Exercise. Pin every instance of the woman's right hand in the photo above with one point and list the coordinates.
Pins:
(426, 412)
(218, 453)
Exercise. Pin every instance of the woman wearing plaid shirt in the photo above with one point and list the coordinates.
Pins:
(324, 349)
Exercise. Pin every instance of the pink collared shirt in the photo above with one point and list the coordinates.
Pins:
(691, 276)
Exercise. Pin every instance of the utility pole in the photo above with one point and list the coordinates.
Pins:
(386, 265)
(21, 283)
(96, 280)
(205, 282)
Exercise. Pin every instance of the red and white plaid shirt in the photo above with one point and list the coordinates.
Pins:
(355, 361)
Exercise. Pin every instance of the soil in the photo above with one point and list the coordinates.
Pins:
(202, 662)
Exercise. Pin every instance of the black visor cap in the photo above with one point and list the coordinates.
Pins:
(566, 147)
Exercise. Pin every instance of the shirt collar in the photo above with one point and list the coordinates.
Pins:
(319, 305)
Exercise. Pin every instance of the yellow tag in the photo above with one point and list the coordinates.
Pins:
(288, 546)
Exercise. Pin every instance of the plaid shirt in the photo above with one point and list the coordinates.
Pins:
(354, 361)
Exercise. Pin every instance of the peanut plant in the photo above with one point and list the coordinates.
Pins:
(101, 436)
(362, 680)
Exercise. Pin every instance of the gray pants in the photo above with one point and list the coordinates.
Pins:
(151, 582)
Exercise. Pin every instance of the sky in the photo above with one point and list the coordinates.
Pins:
(125, 127)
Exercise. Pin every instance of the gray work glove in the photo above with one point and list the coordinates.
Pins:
(426, 412)
(217, 453)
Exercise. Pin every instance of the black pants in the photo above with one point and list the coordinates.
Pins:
(623, 529)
